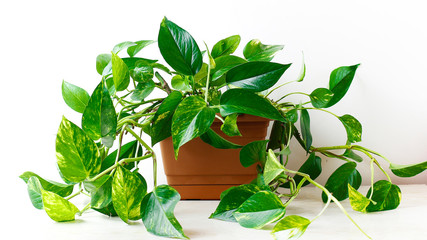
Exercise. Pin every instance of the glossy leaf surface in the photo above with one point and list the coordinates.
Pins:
(230, 127)
(305, 129)
(102, 196)
(226, 46)
(120, 46)
(192, 118)
(338, 182)
(312, 166)
(320, 97)
(179, 49)
(340, 81)
(58, 208)
(253, 152)
(256, 51)
(34, 189)
(357, 201)
(260, 209)
(256, 76)
(127, 194)
(214, 139)
(61, 189)
(352, 127)
(180, 83)
(133, 50)
(157, 212)
(75, 97)
(245, 101)
(162, 120)
(386, 195)
(128, 150)
(272, 168)
(231, 199)
(143, 90)
(408, 170)
(352, 155)
(223, 65)
(99, 119)
(142, 72)
(102, 60)
(120, 73)
(77, 155)
(291, 227)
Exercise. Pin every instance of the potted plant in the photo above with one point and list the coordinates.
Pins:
(223, 88)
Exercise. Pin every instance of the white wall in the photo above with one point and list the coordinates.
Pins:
(44, 42)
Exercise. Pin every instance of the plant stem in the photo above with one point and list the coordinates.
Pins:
(324, 110)
(153, 155)
(207, 83)
(284, 84)
(289, 94)
(119, 149)
(84, 209)
(74, 194)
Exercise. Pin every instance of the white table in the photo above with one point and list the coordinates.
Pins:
(408, 222)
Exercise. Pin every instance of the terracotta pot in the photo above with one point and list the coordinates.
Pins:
(202, 171)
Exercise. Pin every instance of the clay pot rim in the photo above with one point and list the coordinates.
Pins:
(248, 118)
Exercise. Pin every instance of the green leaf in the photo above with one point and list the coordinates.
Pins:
(102, 60)
(352, 155)
(312, 166)
(143, 90)
(200, 78)
(292, 115)
(256, 76)
(253, 152)
(162, 120)
(121, 46)
(127, 193)
(99, 119)
(180, 83)
(340, 81)
(214, 139)
(102, 196)
(34, 189)
(179, 49)
(338, 182)
(357, 201)
(58, 208)
(260, 209)
(192, 118)
(226, 46)
(77, 155)
(408, 170)
(230, 127)
(301, 75)
(272, 168)
(61, 189)
(127, 151)
(157, 212)
(352, 127)
(142, 72)
(246, 101)
(386, 195)
(133, 50)
(256, 51)
(293, 227)
(120, 73)
(223, 65)
(320, 97)
(231, 199)
(305, 129)
(92, 186)
(75, 97)
(212, 63)
(279, 135)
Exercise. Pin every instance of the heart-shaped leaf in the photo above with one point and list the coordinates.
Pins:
(305, 129)
(340, 81)
(352, 127)
(133, 50)
(291, 227)
(260, 209)
(142, 72)
(143, 90)
(230, 127)
(214, 139)
(157, 212)
(181, 83)
(226, 46)
(246, 101)
(357, 201)
(338, 182)
(272, 168)
(408, 170)
(127, 193)
(120, 73)
(320, 97)
(58, 208)
(192, 118)
(253, 152)
(386, 196)
(99, 119)
(256, 76)
(256, 51)
(77, 155)
(232, 199)
(75, 97)
(312, 166)
(162, 120)
(179, 49)
(223, 65)
(61, 189)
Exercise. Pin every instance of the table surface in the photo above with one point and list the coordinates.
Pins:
(408, 221)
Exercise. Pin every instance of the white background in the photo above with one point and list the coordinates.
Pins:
(44, 42)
